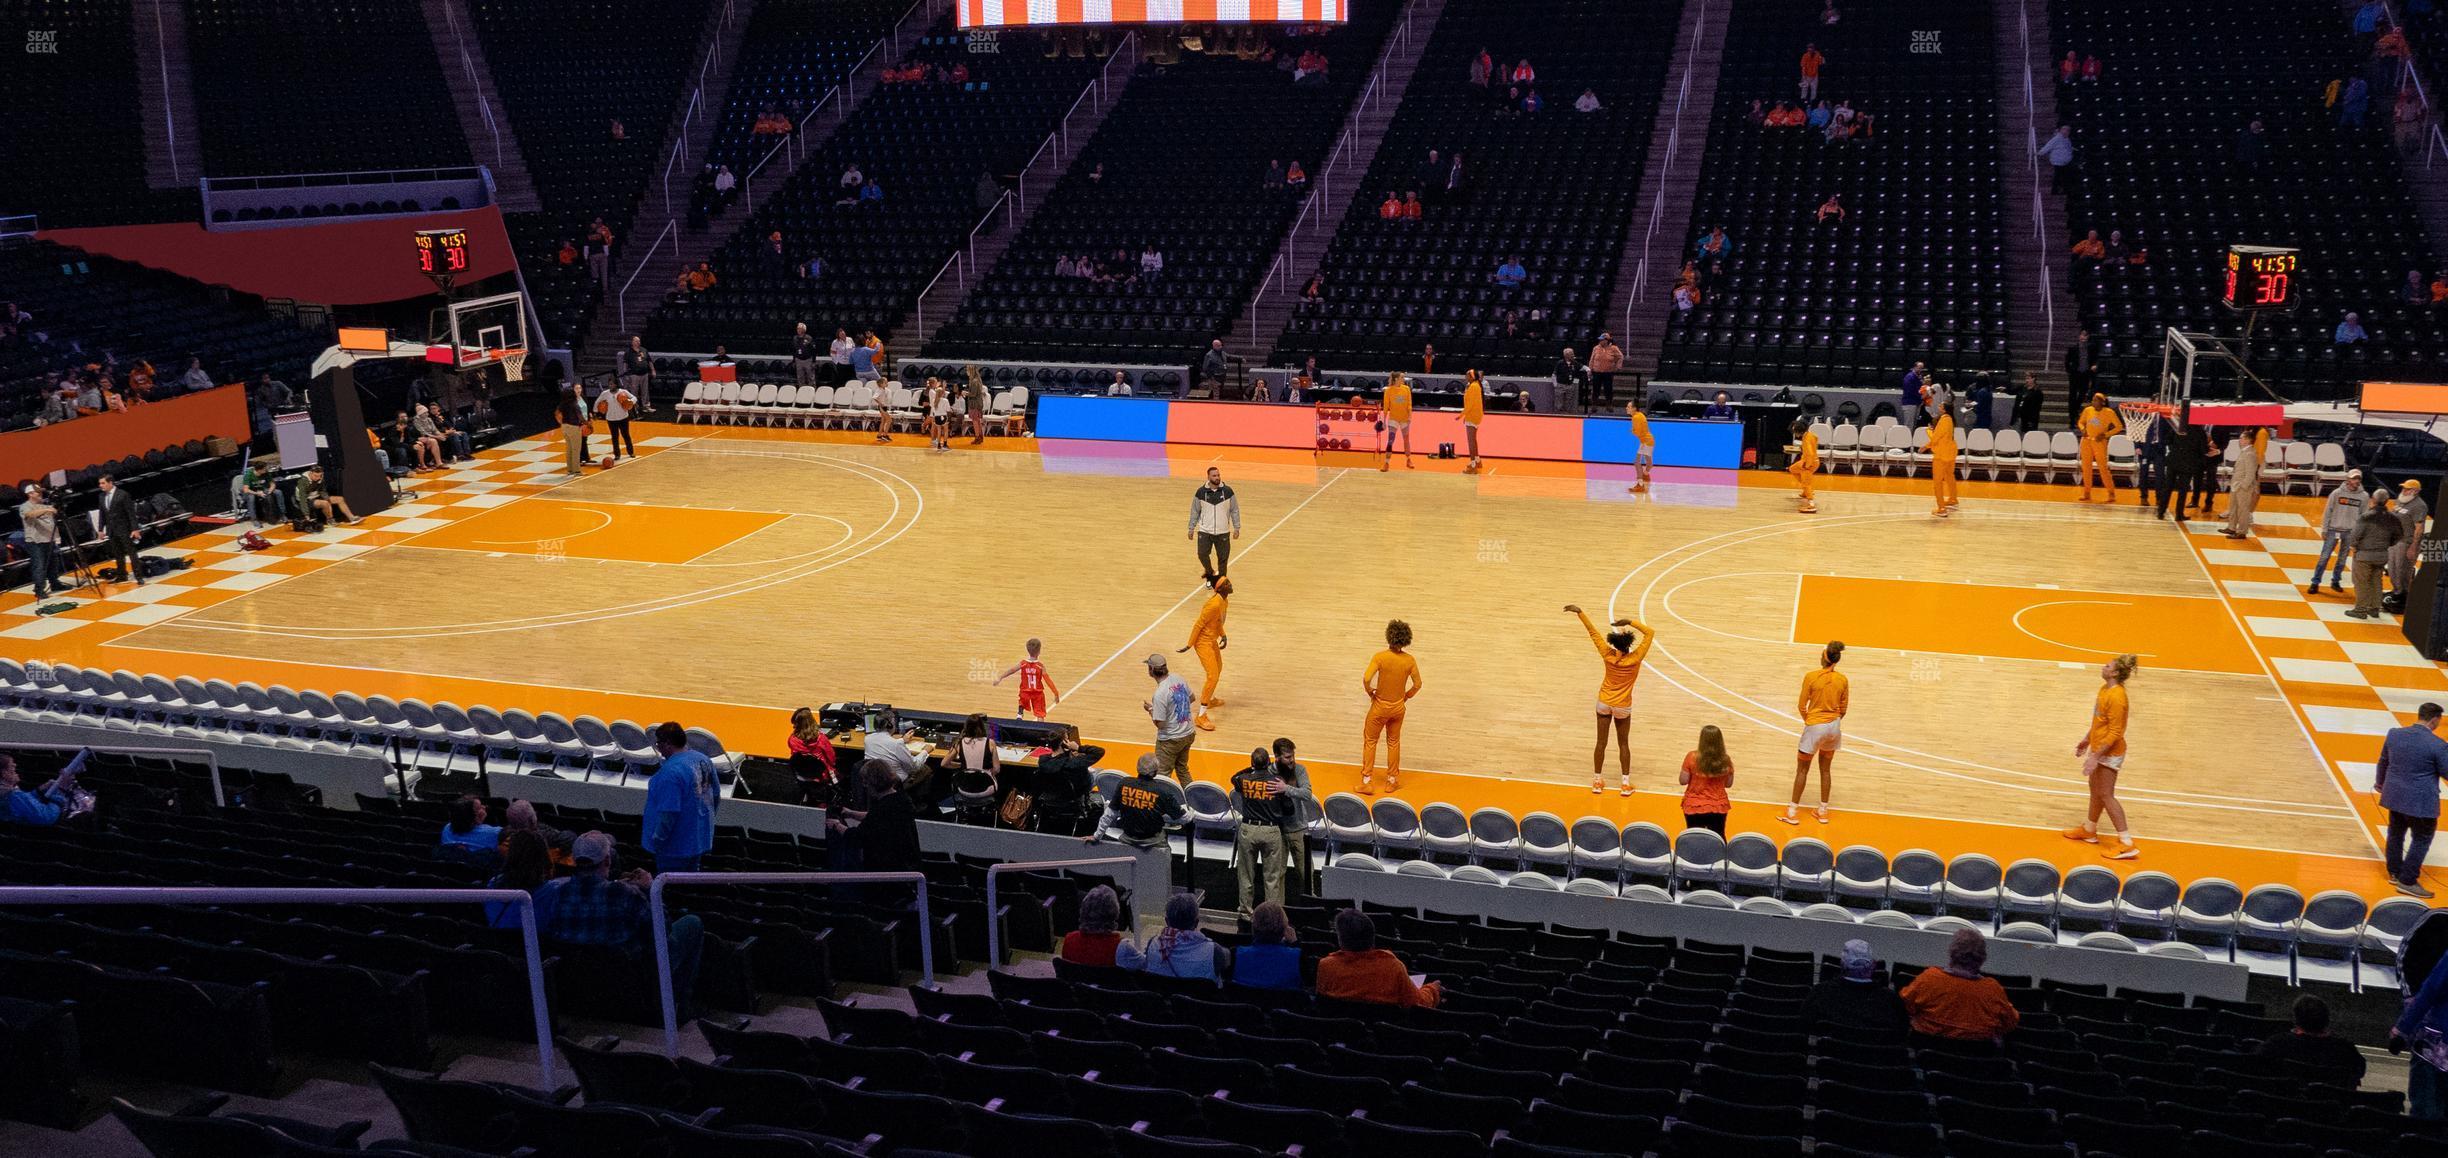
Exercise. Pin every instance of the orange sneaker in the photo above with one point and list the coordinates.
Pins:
(2082, 834)
(2125, 851)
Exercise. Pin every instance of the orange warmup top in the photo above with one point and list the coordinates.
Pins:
(1826, 694)
(1966, 1009)
(2107, 734)
(1374, 976)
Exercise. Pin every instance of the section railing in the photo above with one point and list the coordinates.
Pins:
(994, 928)
(467, 64)
(1666, 165)
(1099, 87)
(697, 100)
(212, 759)
(662, 941)
(48, 895)
(621, 300)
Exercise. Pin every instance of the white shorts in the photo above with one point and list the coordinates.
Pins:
(1607, 709)
(2093, 761)
(1827, 737)
(1393, 427)
(1642, 458)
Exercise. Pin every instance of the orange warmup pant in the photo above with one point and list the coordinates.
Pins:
(1942, 479)
(2095, 457)
(1211, 658)
(1803, 478)
(1386, 720)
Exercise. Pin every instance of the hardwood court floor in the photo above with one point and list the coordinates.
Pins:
(733, 574)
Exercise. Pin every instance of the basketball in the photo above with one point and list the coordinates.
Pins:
(605, 463)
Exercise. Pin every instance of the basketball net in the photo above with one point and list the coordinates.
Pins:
(514, 365)
(2141, 414)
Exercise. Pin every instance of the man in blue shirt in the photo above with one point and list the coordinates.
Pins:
(1908, 407)
(680, 800)
(1720, 408)
(2407, 779)
(863, 362)
(1511, 273)
(588, 907)
(43, 806)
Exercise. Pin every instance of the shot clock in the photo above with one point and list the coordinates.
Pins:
(2261, 277)
(442, 254)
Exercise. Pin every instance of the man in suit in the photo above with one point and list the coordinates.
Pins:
(119, 528)
(2407, 780)
(2081, 369)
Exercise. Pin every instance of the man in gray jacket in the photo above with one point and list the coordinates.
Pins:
(2338, 519)
(1215, 521)
(2407, 779)
(2373, 542)
(2413, 512)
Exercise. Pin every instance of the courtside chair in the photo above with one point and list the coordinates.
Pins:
(1823, 911)
(1980, 452)
(2384, 931)
(268, 719)
(2334, 917)
(2028, 932)
(1647, 852)
(1528, 879)
(1699, 854)
(1649, 893)
(637, 751)
(1421, 868)
(2328, 466)
(1805, 867)
(2124, 466)
(820, 406)
(1972, 882)
(1949, 926)
(710, 746)
(459, 737)
(692, 403)
(1765, 906)
(1444, 829)
(1706, 898)
(2176, 950)
(2104, 940)
(1546, 841)
(1597, 847)
(597, 736)
(1890, 919)
(533, 748)
(2301, 460)
(1358, 860)
(493, 737)
(768, 399)
(1590, 887)
(102, 694)
(1861, 874)
(1751, 863)
(1472, 874)
(2065, 453)
(1398, 827)
(1495, 834)
(2212, 906)
(1211, 814)
(2148, 901)
(2089, 894)
(2270, 915)
(365, 732)
(2030, 886)
(394, 724)
(1347, 822)
(562, 742)
(171, 709)
(1843, 447)
(335, 727)
(1917, 878)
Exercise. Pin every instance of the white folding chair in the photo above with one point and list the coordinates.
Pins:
(2065, 453)
(1980, 452)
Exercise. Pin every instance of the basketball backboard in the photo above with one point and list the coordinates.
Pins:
(479, 332)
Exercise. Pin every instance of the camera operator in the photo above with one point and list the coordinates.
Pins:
(41, 538)
(48, 805)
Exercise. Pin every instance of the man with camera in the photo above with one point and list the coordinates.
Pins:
(41, 521)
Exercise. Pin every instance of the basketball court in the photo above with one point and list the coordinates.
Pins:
(732, 574)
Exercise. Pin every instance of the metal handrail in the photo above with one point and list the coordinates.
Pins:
(346, 177)
(212, 759)
(1100, 86)
(17, 225)
(148, 895)
(621, 301)
(994, 942)
(662, 942)
(1666, 167)
(918, 314)
(161, 57)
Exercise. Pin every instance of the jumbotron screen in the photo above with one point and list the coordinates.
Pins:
(1030, 13)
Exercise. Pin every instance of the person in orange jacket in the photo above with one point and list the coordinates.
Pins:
(2102, 749)
(2097, 424)
(1805, 464)
(1207, 638)
(1390, 680)
(1942, 462)
(1397, 419)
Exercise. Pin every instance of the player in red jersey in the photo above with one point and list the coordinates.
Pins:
(1035, 684)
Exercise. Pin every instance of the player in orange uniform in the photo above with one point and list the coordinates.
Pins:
(1391, 679)
(1826, 697)
(1942, 462)
(1648, 444)
(2097, 424)
(1474, 412)
(1805, 464)
(1621, 649)
(1207, 638)
(1397, 419)
(2102, 749)
(1035, 684)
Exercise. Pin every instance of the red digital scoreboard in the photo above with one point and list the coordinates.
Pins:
(442, 254)
(2261, 277)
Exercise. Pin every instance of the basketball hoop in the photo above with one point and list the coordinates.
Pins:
(514, 365)
(2141, 412)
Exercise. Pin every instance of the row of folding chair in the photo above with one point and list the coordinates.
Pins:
(855, 404)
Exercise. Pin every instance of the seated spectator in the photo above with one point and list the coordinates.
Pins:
(1720, 408)
(1587, 102)
(255, 489)
(1524, 74)
(1316, 289)
(1686, 297)
(467, 828)
(1151, 260)
(1360, 971)
(2090, 248)
(1785, 116)
(2309, 1043)
(1272, 958)
(59, 405)
(1956, 1002)
(1390, 209)
(1819, 116)
(2070, 67)
(520, 817)
(2439, 287)
(1179, 949)
(308, 495)
(1099, 934)
(1096, 173)
(567, 254)
(1858, 998)
(1757, 114)
(195, 378)
(526, 865)
(1831, 208)
(2414, 292)
(1064, 782)
(1296, 178)
(47, 805)
(1274, 178)
(1531, 102)
(1411, 207)
(1120, 386)
(813, 761)
(2115, 252)
(140, 382)
(851, 177)
(1510, 273)
(589, 907)
(1715, 245)
(428, 435)
(2350, 330)
(2090, 69)
(620, 132)
(702, 278)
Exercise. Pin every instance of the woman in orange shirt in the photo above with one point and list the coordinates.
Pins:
(1397, 418)
(1621, 650)
(1826, 697)
(1707, 773)
(1942, 461)
(1360, 971)
(2102, 749)
(1391, 679)
(1207, 638)
(1474, 412)
(1805, 464)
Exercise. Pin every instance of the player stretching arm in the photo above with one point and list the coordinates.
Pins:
(1622, 648)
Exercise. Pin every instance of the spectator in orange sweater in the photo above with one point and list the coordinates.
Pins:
(1360, 971)
(1956, 1002)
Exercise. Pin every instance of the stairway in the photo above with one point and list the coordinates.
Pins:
(942, 299)
(489, 136)
(1670, 179)
(2036, 289)
(1261, 324)
(174, 144)
(650, 271)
